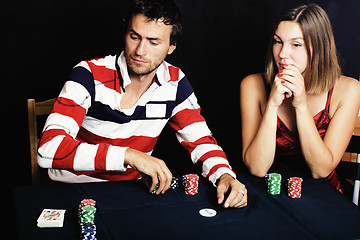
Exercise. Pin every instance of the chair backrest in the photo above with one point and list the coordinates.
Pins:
(36, 109)
(354, 147)
(350, 169)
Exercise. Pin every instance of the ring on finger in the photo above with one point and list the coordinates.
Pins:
(242, 192)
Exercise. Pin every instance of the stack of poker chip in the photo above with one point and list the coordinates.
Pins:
(174, 183)
(156, 188)
(294, 187)
(86, 216)
(191, 184)
(273, 181)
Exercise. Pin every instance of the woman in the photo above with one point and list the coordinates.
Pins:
(301, 112)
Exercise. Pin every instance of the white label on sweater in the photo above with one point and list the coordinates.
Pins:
(155, 110)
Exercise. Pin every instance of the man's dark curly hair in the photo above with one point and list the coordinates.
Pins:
(166, 10)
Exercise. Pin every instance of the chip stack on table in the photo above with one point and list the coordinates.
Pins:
(273, 181)
(174, 183)
(86, 216)
(294, 187)
(191, 184)
(156, 188)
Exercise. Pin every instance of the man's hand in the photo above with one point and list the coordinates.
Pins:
(238, 193)
(153, 167)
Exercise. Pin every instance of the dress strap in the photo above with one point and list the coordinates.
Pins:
(328, 99)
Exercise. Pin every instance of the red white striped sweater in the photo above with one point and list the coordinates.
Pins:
(87, 133)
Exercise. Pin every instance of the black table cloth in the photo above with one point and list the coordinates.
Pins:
(126, 210)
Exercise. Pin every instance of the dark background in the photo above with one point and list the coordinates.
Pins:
(224, 40)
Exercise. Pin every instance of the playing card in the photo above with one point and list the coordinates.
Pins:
(51, 218)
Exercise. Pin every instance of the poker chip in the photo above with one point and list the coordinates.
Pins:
(156, 188)
(87, 202)
(294, 187)
(191, 183)
(86, 215)
(207, 212)
(273, 181)
(174, 183)
(88, 231)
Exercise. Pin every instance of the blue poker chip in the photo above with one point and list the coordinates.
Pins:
(88, 233)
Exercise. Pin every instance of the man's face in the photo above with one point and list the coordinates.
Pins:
(146, 44)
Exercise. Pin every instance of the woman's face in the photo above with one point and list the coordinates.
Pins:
(289, 46)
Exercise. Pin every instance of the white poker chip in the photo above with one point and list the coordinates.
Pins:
(207, 212)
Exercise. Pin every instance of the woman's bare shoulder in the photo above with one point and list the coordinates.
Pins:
(346, 82)
(346, 93)
(256, 78)
(254, 84)
(347, 87)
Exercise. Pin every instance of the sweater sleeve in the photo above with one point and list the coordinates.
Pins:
(58, 146)
(195, 136)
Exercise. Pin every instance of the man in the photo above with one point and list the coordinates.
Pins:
(108, 116)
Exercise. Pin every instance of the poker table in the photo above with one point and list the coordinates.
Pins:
(126, 210)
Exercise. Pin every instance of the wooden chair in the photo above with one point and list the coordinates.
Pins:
(349, 168)
(37, 109)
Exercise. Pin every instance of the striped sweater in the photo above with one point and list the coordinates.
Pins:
(87, 133)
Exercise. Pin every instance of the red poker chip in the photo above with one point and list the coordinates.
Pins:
(191, 183)
(294, 187)
(86, 202)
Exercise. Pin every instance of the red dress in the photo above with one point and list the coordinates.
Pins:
(288, 149)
